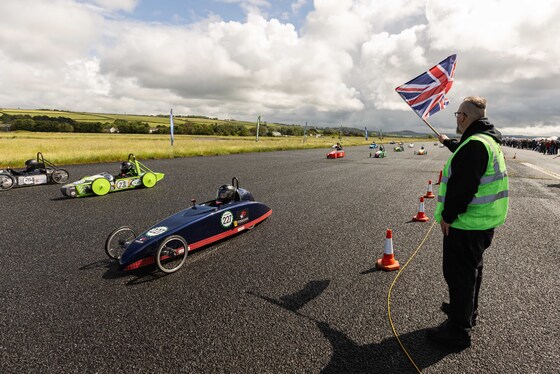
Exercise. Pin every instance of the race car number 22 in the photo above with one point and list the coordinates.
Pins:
(227, 219)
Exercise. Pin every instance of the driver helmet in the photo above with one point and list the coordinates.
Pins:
(32, 164)
(225, 194)
(126, 167)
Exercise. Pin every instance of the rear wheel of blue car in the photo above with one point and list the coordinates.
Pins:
(118, 241)
(6, 182)
(171, 254)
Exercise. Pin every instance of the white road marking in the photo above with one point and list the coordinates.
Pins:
(547, 172)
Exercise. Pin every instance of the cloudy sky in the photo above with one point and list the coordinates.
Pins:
(327, 62)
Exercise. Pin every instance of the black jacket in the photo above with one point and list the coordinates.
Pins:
(467, 167)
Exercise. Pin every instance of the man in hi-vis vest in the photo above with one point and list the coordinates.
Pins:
(472, 201)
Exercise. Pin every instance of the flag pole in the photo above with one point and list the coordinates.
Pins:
(171, 129)
(426, 122)
(430, 126)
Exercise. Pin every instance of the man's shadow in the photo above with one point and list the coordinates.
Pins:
(350, 357)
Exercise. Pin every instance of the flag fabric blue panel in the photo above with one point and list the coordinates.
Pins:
(426, 93)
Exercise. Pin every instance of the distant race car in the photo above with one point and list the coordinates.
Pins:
(441, 145)
(421, 152)
(373, 146)
(392, 142)
(398, 148)
(133, 175)
(37, 171)
(410, 145)
(379, 154)
(337, 152)
(167, 243)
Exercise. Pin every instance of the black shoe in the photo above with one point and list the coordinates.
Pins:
(449, 337)
(446, 308)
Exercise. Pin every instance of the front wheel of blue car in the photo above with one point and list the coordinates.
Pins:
(118, 241)
(171, 254)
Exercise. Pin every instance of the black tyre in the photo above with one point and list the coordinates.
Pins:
(59, 176)
(171, 254)
(118, 241)
(6, 182)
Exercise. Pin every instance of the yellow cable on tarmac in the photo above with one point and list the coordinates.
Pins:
(389, 298)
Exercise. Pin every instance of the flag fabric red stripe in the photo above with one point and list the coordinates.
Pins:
(426, 93)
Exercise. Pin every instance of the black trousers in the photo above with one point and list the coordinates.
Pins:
(462, 270)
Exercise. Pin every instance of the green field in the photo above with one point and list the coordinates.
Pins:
(73, 148)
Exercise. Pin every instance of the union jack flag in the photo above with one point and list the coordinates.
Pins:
(426, 93)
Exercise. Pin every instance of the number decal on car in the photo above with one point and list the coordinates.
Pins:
(156, 231)
(227, 219)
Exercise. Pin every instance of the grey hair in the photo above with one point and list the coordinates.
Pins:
(476, 107)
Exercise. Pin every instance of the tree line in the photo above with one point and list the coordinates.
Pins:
(43, 123)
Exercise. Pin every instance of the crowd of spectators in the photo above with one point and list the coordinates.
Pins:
(550, 146)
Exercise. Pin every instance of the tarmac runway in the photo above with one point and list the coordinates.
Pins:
(299, 293)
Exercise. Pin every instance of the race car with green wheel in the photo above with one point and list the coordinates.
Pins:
(133, 174)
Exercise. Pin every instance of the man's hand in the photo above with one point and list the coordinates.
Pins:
(442, 138)
(445, 227)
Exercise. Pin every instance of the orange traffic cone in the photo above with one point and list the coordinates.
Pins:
(421, 216)
(388, 262)
(430, 193)
(440, 176)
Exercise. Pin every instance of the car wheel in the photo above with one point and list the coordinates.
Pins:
(59, 176)
(171, 254)
(118, 241)
(6, 182)
(101, 186)
(149, 180)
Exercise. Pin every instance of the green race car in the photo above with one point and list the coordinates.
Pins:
(133, 174)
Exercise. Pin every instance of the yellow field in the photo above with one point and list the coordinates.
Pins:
(72, 148)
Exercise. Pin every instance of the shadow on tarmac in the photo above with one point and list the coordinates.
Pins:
(351, 357)
(140, 276)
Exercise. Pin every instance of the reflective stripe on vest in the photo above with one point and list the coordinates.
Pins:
(483, 199)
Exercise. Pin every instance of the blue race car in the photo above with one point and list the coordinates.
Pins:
(168, 242)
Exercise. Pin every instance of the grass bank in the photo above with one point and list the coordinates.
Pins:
(72, 148)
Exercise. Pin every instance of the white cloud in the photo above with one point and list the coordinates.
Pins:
(113, 5)
(340, 68)
(297, 5)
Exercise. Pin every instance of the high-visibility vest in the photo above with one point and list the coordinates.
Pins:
(489, 206)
